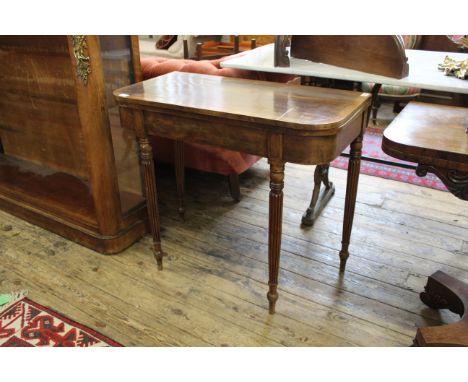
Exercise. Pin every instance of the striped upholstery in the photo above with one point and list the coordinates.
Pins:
(391, 90)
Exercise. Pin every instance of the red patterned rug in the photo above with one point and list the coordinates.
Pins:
(26, 323)
(372, 148)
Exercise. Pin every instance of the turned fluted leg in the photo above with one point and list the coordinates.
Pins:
(350, 200)
(274, 229)
(180, 175)
(146, 159)
(318, 203)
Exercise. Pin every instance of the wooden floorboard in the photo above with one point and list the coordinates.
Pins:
(212, 291)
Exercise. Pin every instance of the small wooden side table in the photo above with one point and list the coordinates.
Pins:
(434, 137)
(284, 123)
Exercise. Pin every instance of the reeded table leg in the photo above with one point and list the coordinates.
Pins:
(180, 175)
(274, 229)
(350, 200)
(317, 203)
(146, 159)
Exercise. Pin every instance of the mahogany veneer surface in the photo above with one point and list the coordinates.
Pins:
(277, 105)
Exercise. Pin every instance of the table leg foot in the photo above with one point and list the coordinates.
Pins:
(275, 220)
(350, 199)
(181, 212)
(320, 197)
(272, 296)
(344, 254)
(159, 259)
(158, 254)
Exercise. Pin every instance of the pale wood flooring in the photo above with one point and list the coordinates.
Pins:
(213, 288)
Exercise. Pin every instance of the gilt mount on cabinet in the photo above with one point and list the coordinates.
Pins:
(80, 51)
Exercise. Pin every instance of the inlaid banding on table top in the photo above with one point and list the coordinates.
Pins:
(273, 104)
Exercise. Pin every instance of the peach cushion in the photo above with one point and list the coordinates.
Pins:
(198, 156)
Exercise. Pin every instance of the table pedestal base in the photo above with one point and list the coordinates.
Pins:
(320, 197)
(445, 292)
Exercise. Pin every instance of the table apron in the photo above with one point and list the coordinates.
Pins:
(440, 159)
(252, 138)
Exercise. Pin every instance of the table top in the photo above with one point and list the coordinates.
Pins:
(428, 133)
(287, 106)
(423, 72)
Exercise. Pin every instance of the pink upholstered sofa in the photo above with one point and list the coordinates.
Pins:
(198, 156)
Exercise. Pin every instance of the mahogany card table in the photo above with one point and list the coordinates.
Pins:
(284, 123)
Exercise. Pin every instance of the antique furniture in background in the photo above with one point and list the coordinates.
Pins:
(373, 54)
(422, 74)
(434, 137)
(399, 94)
(285, 123)
(202, 47)
(439, 43)
(148, 46)
(65, 163)
(212, 50)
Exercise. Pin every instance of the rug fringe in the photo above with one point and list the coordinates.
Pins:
(13, 297)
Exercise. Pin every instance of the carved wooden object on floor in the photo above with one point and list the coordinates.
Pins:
(262, 118)
(445, 292)
(434, 137)
(65, 162)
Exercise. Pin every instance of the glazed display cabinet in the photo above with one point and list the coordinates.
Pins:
(65, 162)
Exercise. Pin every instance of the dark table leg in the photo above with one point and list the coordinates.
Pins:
(146, 159)
(234, 187)
(274, 229)
(350, 200)
(180, 175)
(319, 199)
